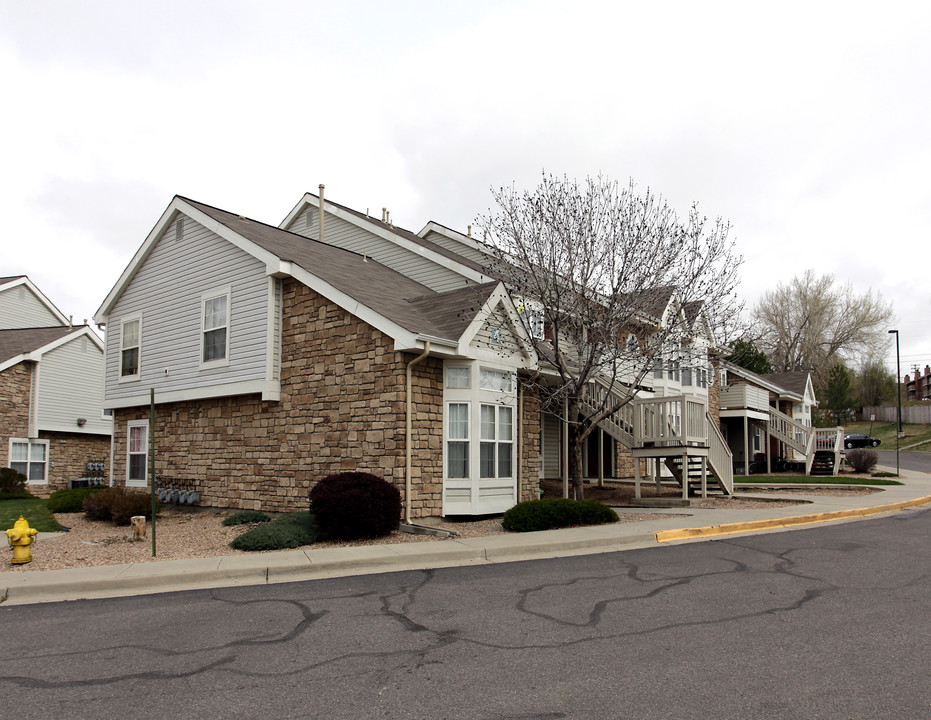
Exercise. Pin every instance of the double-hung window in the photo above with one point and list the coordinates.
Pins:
(30, 457)
(130, 346)
(215, 328)
(457, 440)
(496, 452)
(137, 452)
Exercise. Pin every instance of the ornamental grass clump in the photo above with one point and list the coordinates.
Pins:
(552, 513)
(292, 530)
(355, 505)
(245, 517)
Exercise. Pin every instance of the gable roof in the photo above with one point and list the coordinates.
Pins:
(31, 343)
(12, 281)
(794, 382)
(379, 295)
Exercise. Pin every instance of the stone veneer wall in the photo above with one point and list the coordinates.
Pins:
(15, 384)
(530, 427)
(70, 453)
(342, 408)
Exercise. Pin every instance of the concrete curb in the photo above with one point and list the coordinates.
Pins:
(775, 523)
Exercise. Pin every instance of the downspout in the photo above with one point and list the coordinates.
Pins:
(409, 430)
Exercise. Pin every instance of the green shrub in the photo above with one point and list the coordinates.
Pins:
(70, 500)
(118, 505)
(354, 505)
(556, 513)
(883, 474)
(243, 517)
(13, 484)
(862, 461)
(288, 531)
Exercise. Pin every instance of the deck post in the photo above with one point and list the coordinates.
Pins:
(704, 476)
(637, 478)
(685, 475)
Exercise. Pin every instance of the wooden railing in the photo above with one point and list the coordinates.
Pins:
(789, 431)
(620, 423)
(669, 421)
(719, 456)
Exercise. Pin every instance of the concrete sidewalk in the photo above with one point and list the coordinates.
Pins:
(686, 525)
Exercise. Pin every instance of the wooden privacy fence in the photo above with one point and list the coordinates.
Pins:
(912, 414)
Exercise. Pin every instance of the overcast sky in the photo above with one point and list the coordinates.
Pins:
(806, 124)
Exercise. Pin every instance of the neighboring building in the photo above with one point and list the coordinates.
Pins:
(769, 417)
(919, 386)
(53, 428)
(277, 359)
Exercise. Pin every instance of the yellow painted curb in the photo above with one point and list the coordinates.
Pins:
(739, 527)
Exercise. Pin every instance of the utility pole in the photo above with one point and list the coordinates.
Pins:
(898, 384)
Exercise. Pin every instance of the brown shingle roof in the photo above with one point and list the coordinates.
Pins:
(26, 340)
(372, 284)
(794, 382)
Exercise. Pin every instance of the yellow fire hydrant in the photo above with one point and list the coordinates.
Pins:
(20, 537)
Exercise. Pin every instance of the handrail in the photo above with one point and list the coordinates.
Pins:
(788, 430)
(720, 456)
(671, 420)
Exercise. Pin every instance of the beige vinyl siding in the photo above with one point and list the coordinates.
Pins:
(507, 344)
(20, 308)
(551, 462)
(344, 234)
(168, 290)
(467, 251)
(70, 387)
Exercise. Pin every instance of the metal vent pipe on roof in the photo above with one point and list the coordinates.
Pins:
(320, 212)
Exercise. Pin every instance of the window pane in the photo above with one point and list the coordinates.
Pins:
(131, 334)
(19, 452)
(488, 422)
(37, 452)
(215, 313)
(137, 439)
(457, 460)
(686, 376)
(505, 427)
(215, 344)
(487, 460)
(137, 467)
(457, 377)
(37, 471)
(458, 421)
(504, 460)
(495, 380)
(20, 467)
(130, 362)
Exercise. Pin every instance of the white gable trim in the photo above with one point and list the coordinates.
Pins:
(36, 355)
(498, 297)
(381, 232)
(180, 206)
(16, 282)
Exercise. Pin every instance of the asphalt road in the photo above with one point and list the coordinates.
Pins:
(918, 461)
(830, 622)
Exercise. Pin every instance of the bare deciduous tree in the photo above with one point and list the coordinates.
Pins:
(811, 322)
(610, 280)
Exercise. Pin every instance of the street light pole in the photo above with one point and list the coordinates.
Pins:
(898, 386)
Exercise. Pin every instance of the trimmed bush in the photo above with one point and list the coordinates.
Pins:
(883, 474)
(553, 513)
(13, 484)
(70, 500)
(355, 505)
(862, 461)
(243, 517)
(118, 505)
(288, 531)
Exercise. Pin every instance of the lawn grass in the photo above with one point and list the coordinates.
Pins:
(35, 510)
(809, 479)
(886, 433)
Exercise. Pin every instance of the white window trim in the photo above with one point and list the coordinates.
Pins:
(133, 317)
(129, 425)
(29, 443)
(466, 440)
(211, 295)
